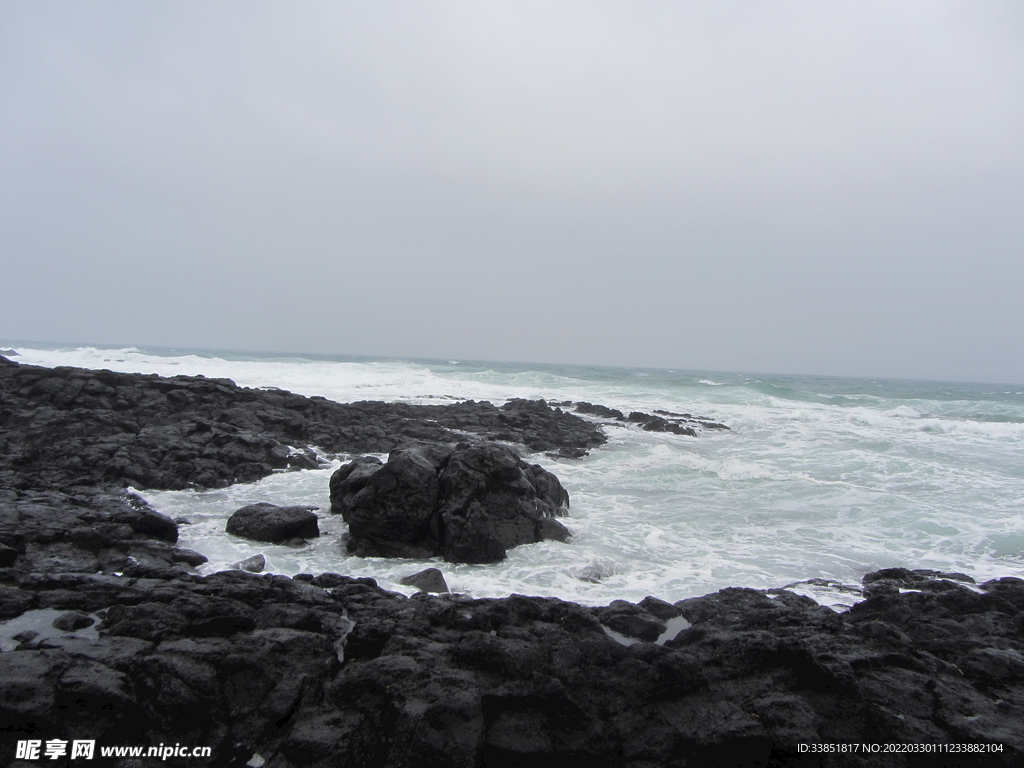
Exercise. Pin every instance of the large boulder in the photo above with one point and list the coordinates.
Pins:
(469, 503)
(268, 522)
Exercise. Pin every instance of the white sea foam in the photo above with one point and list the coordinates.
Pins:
(818, 478)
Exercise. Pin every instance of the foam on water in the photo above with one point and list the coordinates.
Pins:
(820, 478)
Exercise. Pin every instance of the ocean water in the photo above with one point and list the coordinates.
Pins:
(820, 478)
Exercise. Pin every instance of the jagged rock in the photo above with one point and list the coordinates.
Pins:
(268, 522)
(430, 580)
(7, 556)
(631, 620)
(67, 426)
(599, 410)
(72, 620)
(254, 564)
(348, 674)
(469, 503)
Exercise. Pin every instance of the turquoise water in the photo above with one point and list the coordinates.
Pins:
(819, 477)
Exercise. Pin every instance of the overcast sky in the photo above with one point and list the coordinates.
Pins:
(805, 187)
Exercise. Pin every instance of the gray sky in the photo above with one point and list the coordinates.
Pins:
(817, 187)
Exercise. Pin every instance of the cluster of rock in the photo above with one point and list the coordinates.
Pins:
(334, 671)
(72, 439)
(467, 503)
(328, 670)
(86, 530)
(66, 426)
(659, 421)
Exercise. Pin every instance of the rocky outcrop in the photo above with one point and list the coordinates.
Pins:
(659, 421)
(334, 671)
(87, 530)
(269, 522)
(72, 439)
(69, 426)
(468, 503)
(429, 580)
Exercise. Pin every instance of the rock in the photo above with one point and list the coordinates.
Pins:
(254, 564)
(599, 410)
(7, 556)
(349, 480)
(72, 620)
(469, 503)
(631, 620)
(14, 602)
(492, 501)
(68, 426)
(267, 522)
(430, 580)
(394, 507)
(334, 670)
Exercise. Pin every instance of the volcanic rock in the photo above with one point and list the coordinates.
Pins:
(334, 671)
(268, 522)
(468, 503)
(430, 580)
(72, 620)
(254, 564)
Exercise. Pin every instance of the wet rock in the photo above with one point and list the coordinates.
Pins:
(599, 410)
(631, 620)
(302, 674)
(68, 426)
(254, 564)
(72, 620)
(430, 580)
(268, 522)
(468, 503)
(14, 601)
(7, 556)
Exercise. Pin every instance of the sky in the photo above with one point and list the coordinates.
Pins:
(802, 187)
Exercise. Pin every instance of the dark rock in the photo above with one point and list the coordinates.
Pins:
(27, 636)
(659, 608)
(72, 620)
(430, 580)
(492, 501)
(394, 507)
(468, 503)
(599, 410)
(14, 602)
(349, 480)
(305, 676)
(254, 564)
(67, 426)
(267, 522)
(631, 620)
(7, 556)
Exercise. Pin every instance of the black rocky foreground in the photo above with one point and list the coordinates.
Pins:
(334, 671)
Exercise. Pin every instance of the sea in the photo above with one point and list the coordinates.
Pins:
(818, 481)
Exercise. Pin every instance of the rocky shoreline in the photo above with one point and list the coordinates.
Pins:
(335, 671)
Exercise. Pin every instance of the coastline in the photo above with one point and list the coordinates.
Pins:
(924, 658)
